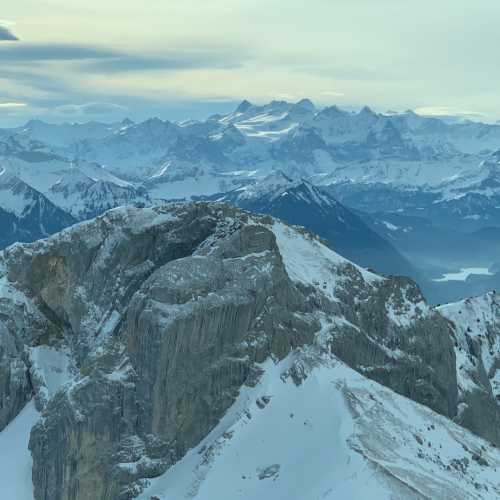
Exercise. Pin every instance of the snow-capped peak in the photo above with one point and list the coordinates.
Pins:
(366, 111)
(243, 106)
(85, 197)
(306, 104)
(278, 184)
(127, 122)
(277, 180)
(71, 179)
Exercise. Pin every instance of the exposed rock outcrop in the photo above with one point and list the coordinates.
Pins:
(476, 338)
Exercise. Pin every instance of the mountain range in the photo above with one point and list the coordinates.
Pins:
(376, 167)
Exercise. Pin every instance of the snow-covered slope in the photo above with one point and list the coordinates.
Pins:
(335, 436)
(26, 214)
(45, 171)
(270, 187)
(66, 190)
(17, 197)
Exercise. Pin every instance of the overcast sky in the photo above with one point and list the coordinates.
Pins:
(80, 60)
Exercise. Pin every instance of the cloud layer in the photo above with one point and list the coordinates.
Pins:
(191, 54)
(91, 108)
(29, 52)
(12, 105)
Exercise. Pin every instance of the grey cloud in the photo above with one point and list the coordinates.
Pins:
(23, 52)
(7, 35)
(101, 60)
(169, 61)
(91, 108)
(40, 81)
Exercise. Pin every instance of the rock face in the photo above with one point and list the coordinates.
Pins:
(162, 348)
(397, 340)
(476, 334)
(21, 325)
(15, 390)
(159, 316)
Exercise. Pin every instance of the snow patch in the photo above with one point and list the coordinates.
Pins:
(52, 368)
(310, 262)
(337, 435)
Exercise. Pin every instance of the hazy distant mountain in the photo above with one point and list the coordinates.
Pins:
(194, 158)
(403, 149)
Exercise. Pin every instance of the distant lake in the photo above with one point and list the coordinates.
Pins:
(464, 273)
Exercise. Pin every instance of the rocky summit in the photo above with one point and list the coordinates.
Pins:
(200, 351)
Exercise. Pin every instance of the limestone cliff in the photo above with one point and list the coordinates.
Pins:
(154, 319)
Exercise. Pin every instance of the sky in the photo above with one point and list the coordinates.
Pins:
(83, 60)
